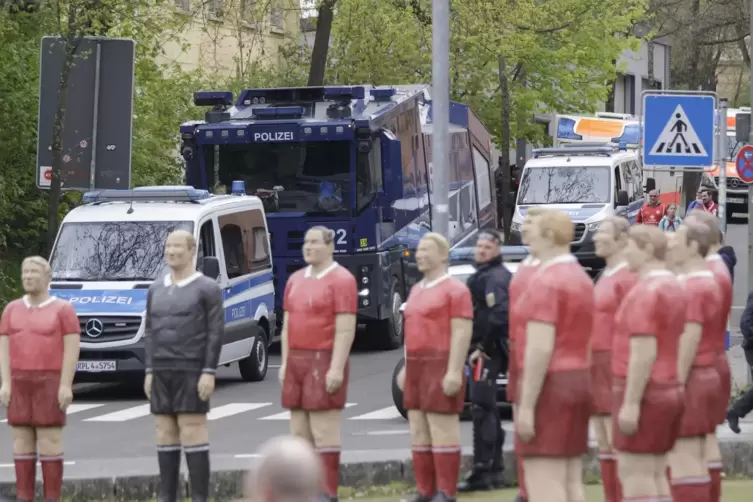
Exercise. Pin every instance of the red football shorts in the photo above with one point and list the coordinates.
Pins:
(701, 397)
(565, 395)
(424, 373)
(34, 399)
(305, 384)
(659, 422)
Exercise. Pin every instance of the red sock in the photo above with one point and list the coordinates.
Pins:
(690, 492)
(423, 471)
(331, 466)
(52, 476)
(447, 467)
(26, 476)
(716, 482)
(521, 472)
(609, 477)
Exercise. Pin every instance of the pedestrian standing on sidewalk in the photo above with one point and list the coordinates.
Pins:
(744, 403)
(670, 221)
(488, 358)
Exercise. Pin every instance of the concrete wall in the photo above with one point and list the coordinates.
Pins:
(223, 36)
(633, 79)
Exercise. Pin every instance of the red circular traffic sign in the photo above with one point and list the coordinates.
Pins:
(744, 164)
(48, 175)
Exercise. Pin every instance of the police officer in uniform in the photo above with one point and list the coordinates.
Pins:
(488, 358)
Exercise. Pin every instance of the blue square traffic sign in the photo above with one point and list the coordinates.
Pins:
(679, 130)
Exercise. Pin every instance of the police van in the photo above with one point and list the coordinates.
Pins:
(109, 250)
(589, 182)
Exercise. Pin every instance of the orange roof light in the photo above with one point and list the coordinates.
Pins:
(596, 127)
(731, 121)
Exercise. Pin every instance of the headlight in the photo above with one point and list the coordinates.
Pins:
(593, 227)
(515, 227)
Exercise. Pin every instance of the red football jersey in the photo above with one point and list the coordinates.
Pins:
(36, 333)
(724, 282)
(520, 280)
(560, 293)
(704, 306)
(609, 292)
(430, 308)
(655, 306)
(312, 303)
(650, 215)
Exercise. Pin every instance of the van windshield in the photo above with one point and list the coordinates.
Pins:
(565, 185)
(112, 251)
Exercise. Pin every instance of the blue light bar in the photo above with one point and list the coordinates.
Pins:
(356, 92)
(383, 93)
(279, 111)
(238, 187)
(574, 150)
(147, 194)
(213, 98)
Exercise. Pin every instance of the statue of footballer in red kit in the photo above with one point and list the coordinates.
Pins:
(557, 309)
(520, 281)
(438, 324)
(613, 285)
(688, 247)
(647, 396)
(39, 348)
(319, 326)
(724, 282)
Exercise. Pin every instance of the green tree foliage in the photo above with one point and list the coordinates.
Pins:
(559, 53)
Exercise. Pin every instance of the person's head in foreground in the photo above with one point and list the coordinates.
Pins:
(288, 471)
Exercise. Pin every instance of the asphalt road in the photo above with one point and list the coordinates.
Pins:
(110, 430)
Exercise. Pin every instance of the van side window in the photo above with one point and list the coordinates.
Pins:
(627, 180)
(244, 242)
(637, 180)
(206, 245)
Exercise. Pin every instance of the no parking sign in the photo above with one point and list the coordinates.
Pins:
(744, 164)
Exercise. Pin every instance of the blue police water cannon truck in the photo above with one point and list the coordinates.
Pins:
(356, 159)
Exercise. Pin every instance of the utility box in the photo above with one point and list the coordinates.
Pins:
(742, 127)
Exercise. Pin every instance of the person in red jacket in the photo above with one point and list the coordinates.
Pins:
(652, 210)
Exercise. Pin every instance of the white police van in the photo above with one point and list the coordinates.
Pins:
(589, 182)
(109, 250)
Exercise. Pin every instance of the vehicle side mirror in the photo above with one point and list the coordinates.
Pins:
(210, 267)
(391, 156)
(622, 199)
(650, 184)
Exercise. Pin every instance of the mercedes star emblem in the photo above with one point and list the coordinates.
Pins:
(94, 328)
(734, 182)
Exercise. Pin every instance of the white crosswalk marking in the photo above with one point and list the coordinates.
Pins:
(231, 409)
(285, 415)
(139, 411)
(387, 413)
(73, 408)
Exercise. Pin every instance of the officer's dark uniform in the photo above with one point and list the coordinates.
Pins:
(489, 290)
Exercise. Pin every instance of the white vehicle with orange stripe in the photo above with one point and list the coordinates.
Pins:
(618, 128)
(737, 191)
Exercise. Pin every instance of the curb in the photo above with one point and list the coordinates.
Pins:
(228, 485)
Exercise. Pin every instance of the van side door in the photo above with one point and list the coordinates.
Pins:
(247, 264)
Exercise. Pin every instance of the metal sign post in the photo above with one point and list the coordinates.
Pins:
(723, 163)
(440, 113)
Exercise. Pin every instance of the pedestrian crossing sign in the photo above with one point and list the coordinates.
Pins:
(679, 130)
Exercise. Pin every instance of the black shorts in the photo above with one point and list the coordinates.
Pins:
(176, 392)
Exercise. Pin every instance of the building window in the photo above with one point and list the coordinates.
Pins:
(183, 4)
(248, 8)
(628, 88)
(277, 19)
(214, 8)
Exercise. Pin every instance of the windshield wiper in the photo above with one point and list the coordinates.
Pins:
(70, 279)
(124, 279)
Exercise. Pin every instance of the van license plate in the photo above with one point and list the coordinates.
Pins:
(96, 366)
(735, 200)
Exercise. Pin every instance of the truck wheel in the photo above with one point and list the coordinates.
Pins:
(397, 394)
(388, 334)
(254, 367)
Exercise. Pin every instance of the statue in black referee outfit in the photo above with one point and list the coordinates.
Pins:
(183, 337)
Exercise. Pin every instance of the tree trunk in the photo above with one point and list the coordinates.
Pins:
(609, 105)
(58, 129)
(321, 43)
(504, 160)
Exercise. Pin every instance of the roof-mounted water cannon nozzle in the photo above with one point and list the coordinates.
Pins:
(220, 101)
(238, 187)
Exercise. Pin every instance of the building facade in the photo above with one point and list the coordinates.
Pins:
(645, 69)
(227, 36)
